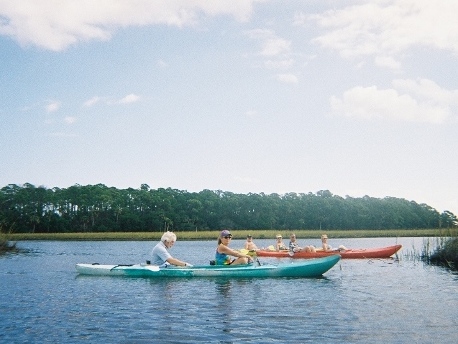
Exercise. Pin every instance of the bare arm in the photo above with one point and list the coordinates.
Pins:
(177, 262)
(229, 251)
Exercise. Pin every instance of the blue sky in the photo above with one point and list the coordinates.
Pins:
(356, 97)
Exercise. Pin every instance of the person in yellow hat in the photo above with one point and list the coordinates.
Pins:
(279, 245)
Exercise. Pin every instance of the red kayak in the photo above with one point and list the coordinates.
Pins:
(351, 253)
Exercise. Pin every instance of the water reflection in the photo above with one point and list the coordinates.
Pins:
(357, 301)
(224, 303)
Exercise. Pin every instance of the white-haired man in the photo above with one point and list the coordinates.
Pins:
(160, 255)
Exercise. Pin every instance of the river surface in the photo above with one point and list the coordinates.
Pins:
(43, 300)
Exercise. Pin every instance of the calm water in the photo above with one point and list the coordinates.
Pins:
(43, 300)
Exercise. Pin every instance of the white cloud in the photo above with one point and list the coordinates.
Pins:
(55, 25)
(288, 78)
(91, 102)
(409, 100)
(131, 98)
(279, 64)
(271, 44)
(275, 46)
(387, 61)
(260, 34)
(300, 19)
(427, 89)
(389, 27)
(276, 51)
(52, 106)
(70, 120)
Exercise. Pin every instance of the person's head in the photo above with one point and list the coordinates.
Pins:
(168, 238)
(292, 237)
(249, 237)
(224, 237)
(324, 237)
(279, 237)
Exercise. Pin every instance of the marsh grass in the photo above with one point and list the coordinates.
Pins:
(446, 253)
(5, 244)
(441, 249)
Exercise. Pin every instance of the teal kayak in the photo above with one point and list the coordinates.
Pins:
(307, 268)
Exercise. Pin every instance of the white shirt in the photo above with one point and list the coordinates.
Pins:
(159, 254)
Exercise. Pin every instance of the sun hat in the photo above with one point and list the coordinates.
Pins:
(225, 233)
(278, 236)
(249, 236)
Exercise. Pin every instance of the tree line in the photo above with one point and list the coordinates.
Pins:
(98, 208)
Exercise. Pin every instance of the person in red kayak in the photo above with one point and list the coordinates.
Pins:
(249, 244)
(327, 247)
(294, 246)
(279, 245)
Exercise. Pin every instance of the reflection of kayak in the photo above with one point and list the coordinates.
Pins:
(379, 252)
(309, 268)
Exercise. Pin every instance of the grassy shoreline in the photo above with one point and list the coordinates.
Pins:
(238, 234)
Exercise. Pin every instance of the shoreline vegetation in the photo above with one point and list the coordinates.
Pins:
(98, 208)
(445, 254)
(6, 245)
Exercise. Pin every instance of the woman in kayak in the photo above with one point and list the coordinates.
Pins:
(294, 246)
(279, 245)
(224, 254)
(327, 247)
(160, 254)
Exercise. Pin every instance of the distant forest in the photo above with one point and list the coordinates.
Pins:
(98, 208)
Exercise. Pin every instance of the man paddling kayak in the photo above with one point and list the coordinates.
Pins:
(160, 254)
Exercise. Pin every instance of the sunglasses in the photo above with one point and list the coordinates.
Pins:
(227, 237)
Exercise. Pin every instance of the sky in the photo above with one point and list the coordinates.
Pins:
(355, 97)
